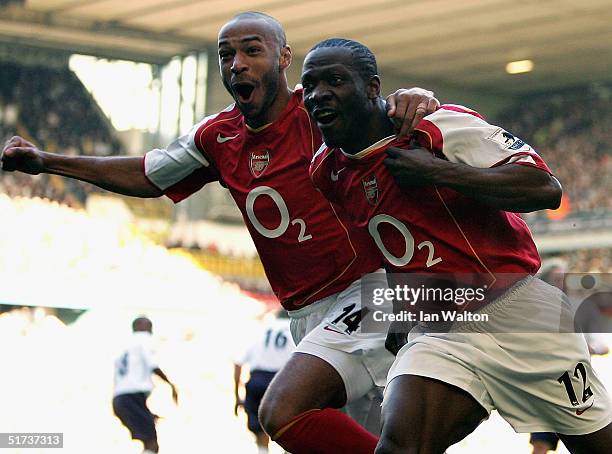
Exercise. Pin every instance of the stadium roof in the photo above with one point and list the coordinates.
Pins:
(463, 43)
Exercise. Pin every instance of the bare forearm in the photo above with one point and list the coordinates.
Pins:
(512, 187)
(122, 175)
(237, 373)
(162, 375)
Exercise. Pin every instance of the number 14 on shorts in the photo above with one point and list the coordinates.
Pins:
(350, 318)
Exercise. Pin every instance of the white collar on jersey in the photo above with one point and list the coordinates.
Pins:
(375, 146)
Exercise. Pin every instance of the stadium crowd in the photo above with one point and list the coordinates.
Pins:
(52, 107)
(571, 131)
(586, 260)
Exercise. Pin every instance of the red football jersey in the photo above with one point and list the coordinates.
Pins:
(434, 229)
(309, 250)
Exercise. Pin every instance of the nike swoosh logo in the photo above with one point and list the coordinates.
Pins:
(332, 330)
(221, 139)
(579, 412)
(334, 176)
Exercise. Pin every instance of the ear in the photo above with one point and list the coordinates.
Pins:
(285, 57)
(373, 88)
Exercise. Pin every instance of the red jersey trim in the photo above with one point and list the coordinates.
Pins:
(433, 133)
(539, 162)
(461, 110)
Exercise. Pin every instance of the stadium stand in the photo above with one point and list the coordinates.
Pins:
(52, 107)
(570, 129)
(589, 260)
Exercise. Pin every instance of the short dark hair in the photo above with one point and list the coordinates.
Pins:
(142, 323)
(364, 60)
(279, 31)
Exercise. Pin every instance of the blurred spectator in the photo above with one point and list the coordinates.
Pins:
(134, 368)
(265, 357)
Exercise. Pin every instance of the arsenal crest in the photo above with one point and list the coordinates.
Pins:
(258, 162)
(370, 188)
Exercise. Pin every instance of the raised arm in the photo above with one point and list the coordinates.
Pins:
(122, 175)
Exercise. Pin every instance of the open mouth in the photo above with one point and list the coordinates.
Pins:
(325, 117)
(244, 91)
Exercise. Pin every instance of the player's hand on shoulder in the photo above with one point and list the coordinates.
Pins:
(19, 154)
(407, 107)
(411, 167)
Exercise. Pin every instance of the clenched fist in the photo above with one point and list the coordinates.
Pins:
(19, 154)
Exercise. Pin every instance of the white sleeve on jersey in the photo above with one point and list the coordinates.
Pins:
(165, 166)
(470, 140)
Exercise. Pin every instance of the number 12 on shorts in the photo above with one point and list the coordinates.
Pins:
(565, 380)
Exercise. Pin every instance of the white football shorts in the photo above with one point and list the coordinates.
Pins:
(330, 330)
(538, 381)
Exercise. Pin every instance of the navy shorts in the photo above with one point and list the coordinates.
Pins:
(133, 412)
(549, 437)
(255, 389)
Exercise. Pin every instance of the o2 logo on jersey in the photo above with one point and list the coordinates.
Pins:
(370, 188)
(285, 218)
(408, 242)
(258, 162)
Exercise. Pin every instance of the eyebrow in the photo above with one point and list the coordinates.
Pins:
(326, 67)
(246, 39)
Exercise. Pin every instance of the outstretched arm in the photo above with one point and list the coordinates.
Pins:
(122, 175)
(512, 187)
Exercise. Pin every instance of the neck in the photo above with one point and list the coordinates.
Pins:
(377, 127)
(272, 112)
